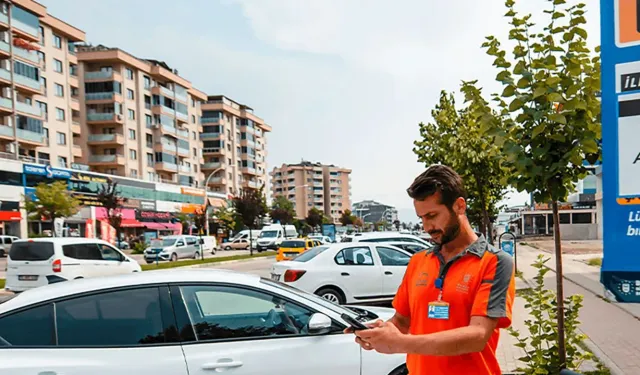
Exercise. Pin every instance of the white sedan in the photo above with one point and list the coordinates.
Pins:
(183, 323)
(356, 272)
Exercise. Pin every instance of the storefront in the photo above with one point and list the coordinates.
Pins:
(34, 175)
(10, 221)
(157, 224)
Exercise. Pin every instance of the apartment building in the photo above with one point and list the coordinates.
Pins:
(234, 146)
(139, 118)
(36, 100)
(308, 185)
(372, 212)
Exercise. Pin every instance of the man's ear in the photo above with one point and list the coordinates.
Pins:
(460, 206)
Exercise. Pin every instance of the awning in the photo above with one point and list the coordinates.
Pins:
(216, 202)
(10, 216)
(131, 223)
(154, 226)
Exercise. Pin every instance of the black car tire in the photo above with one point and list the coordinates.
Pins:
(174, 257)
(2, 255)
(339, 297)
(401, 370)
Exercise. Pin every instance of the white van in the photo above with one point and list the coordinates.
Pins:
(247, 234)
(209, 244)
(173, 248)
(41, 261)
(272, 236)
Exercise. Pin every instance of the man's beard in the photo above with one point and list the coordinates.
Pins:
(451, 231)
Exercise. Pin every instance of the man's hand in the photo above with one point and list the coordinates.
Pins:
(383, 337)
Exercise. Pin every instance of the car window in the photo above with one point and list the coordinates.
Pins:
(191, 241)
(84, 251)
(392, 257)
(180, 243)
(310, 254)
(32, 327)
(292, 244)
(8, 240)
(220, 313)
(101, 320)
(31, 251)
(109, 253)
(354, 256)
(415, 248)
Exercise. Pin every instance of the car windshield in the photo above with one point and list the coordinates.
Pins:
(292, 244)
(269, 234)
(31, 251)
(310, 254)
(166, 242)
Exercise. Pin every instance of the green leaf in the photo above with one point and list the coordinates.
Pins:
(557, 15)
(509, 91)
(558, 118)
(515, 105)
(503, 76)
(590, 146)
(558, 137)
(537, 130)
(581, 32)
(551, 81)
(554, 97)
(523, 83)
(539, 92)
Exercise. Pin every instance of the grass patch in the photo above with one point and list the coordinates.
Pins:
(595, 262)
(184, 263)
(1, 283)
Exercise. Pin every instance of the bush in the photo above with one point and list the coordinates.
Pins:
(139, 247)
(540, 345)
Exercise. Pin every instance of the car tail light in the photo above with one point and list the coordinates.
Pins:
(56, 266)
(293, 275)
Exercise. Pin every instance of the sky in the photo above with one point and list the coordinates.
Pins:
(343, 82)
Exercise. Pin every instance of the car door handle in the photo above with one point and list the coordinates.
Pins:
(388, 273)
(223, 363)
(344, 274)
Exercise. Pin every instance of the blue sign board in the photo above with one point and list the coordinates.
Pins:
(46, 170)
(507, 247)
(329, 230)
(620, 43)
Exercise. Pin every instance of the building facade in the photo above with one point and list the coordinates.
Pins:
(370, 211)
(234, 146)
(37, 100)
(308, 185)
(139, 118)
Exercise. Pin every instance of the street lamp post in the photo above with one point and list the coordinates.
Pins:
(206, 197)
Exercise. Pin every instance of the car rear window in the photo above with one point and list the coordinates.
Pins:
(310, 254)
(292, 244)
(31, 251)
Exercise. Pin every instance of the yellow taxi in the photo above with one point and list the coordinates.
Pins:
(292, 248)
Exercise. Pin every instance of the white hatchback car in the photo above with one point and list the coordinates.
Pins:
(358, 272)
(183, 322)
(40, 261)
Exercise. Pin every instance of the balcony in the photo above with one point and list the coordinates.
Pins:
(182, 117)
(165, 147)
(6, 131)
(161, 90)
(73, 81)
(247, 142)
(28, 109)
(26, 55)
(28, 85)
(75, 127)
(106, 160)
(204, 136)
(251, 184)
(31, 137)
(183, 133)
(209, 120)
(77, 151)
(182, 98)
(106, 75)
(213, 165)
(105, 139)
(4, 49)
(183, 151)
(24, 30)
(166, 167)
(105, 118)
(249, 170)
(103, 97)
(74, 104)
(218, 181)
(185, 169)
(213, 150)
(5, 106)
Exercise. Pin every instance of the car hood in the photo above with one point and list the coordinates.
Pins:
(384, 313)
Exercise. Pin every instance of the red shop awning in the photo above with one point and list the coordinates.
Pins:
(131, 223)
(10, 216)
(154, 226)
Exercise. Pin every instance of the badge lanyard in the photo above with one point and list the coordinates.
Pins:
(439, 309)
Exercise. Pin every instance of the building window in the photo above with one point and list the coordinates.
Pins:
(129, 73)
(132, 134)
(42, 57)
(149, 139)
(133, 154)
(149, 159)
(193, 102)
(41, 36)
(62, 161)
(57, 65)
(43, 81)
(130, 94)
(134, 173)
(59, 114)
(147, 82)
(59, 90)
(194, 136)
(195, 152)
(193, 119)
(43, 108)
(57, 41)
(61, 138)
(132, 114)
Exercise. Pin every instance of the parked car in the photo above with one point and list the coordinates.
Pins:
(346, 272)
(183, 322)
(272, 236)
(386, 237)
(173, 248)
(237, 244)
(41, 261)
(324, 239)
(208, 244)
(289, 249)
(5, 244)
(410, 247)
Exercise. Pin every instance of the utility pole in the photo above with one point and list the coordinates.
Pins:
(14, 117)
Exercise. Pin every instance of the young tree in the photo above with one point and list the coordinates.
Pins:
(282, 210)
(110, 198)
(51, 201)
(315, 218)
(250, 208)
(550, 104)
(200, 218)
(358, 223)
(459, 139)
(347, 218)
(185, 220)
(225, 218)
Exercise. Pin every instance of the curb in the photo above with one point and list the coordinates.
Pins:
(206, 265)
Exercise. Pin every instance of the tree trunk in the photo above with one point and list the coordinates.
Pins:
(562, 354)
(250, 242)
(485, 214)
(53, 225)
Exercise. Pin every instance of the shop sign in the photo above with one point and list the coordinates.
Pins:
(79, 176)
(153, 215)
(192, 191)
(46, 170)
(10, 216)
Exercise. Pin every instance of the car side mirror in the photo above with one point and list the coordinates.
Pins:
(319, 324)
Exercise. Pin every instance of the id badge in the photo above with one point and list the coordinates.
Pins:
(439, 310)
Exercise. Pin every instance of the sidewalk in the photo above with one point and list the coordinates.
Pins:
(613, 329)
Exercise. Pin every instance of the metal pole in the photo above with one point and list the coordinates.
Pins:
(206, 197)
(14, 118)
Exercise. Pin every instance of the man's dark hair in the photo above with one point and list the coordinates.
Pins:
(438, 178)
